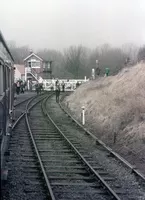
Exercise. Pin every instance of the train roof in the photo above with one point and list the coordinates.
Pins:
(4, 50)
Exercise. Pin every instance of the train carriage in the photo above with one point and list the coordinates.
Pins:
(6, 94)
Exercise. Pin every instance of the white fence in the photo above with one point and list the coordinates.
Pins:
(70, 85)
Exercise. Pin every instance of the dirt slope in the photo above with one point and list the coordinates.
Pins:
(115, 105)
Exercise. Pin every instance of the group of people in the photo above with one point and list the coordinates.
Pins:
(20, 87)
(98, 71)
(38, 87)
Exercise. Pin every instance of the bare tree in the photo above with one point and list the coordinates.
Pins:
(58, 68)
(19, 53)
(109, 57)
(131, 51)
(141, 54)
(74, 59)
(77, 61)
(103, 49)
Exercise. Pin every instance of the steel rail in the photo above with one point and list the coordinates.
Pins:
(116, 155)
(21, 102)
(90, 168)
(22, 115)
(37, 153)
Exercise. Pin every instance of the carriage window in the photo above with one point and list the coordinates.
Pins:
(8, 79)
(1, 79)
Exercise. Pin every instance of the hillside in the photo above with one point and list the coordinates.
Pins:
(115, 106)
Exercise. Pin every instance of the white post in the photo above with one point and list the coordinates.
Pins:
(25, 73)
(93, 73)
(28, 85)
(97, 63)
(83, 115)
(45, 84)
(85, 78)
(54, 82)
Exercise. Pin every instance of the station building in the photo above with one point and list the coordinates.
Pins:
(36, 68)
(19, 72)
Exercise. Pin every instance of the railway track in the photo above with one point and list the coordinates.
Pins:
(114, 174)
(24, 178)
(23, 99)
(66, 175)
(56, 160)
(20, 107)
(132, 168)
(18, 113)
(20, 104)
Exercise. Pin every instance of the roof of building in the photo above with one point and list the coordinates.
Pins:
(33, 54)
(20, 68)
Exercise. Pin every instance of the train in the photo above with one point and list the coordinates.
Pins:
(6, 96)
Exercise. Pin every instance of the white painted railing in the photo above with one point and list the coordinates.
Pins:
(32, 72)
(70, 85)
(49, 84)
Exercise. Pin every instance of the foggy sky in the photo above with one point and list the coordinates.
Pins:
(58, 24)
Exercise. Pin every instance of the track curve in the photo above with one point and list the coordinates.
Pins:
(58, 161)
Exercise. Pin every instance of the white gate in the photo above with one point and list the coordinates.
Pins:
(70, 85)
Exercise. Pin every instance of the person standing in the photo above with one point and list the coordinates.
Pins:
(98, 71)
(22, 87)
(25, 85)
(77, 84)
(37, 87)
(18, 87)
(57, 91)
(30, 85)
(107, 70)
(63, 86)
(41, 87)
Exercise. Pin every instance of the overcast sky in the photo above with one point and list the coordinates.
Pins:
(59, 23)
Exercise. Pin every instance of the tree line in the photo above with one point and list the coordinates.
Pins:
(78, 61)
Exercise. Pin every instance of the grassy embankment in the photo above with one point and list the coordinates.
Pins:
(115, 105)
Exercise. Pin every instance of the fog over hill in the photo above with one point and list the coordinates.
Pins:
(57, 24)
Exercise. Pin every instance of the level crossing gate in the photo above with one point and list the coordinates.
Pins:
(70, 85)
